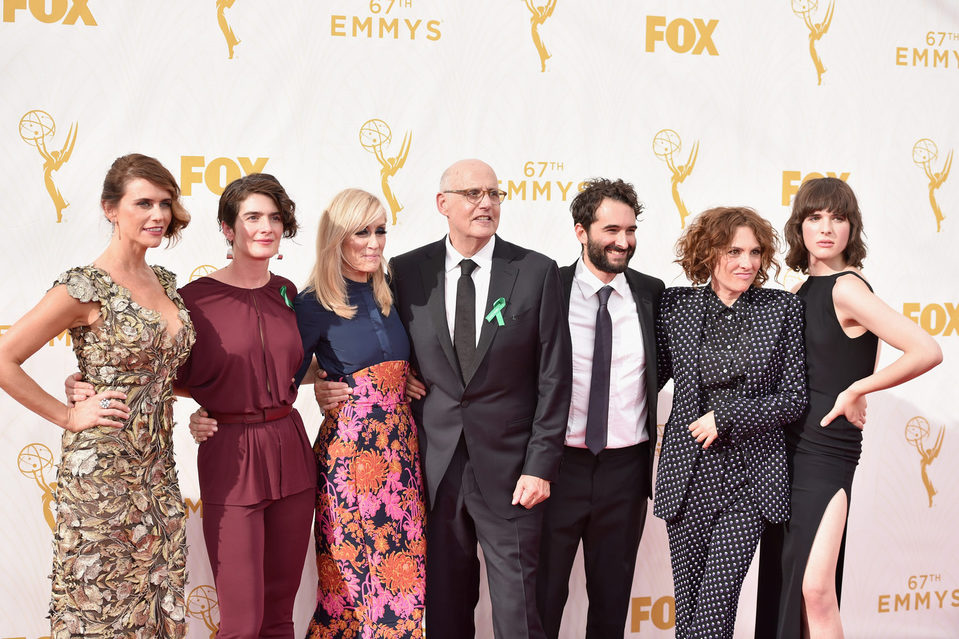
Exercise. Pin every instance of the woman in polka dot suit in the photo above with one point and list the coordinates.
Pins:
(735, 352)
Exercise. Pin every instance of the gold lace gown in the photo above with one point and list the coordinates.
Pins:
(119, 550)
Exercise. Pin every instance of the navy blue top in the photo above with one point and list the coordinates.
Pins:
(344, 346)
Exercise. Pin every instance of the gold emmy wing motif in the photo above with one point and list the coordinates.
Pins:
(804, 9)
(231, 39)
(202, 604)
(666, 144)
(36, 128)
(538, 17)
(34, 461)
(202, 271)
(924, 152)
(917, 432)
(374, 135)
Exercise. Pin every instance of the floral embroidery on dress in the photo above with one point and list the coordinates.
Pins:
(119, 566)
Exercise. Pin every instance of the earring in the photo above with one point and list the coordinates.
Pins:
(229, 252)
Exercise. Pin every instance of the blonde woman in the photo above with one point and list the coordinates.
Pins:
(370, 542)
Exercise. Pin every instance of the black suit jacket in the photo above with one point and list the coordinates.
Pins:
(774, 395)
(646, 293)
(513, 406)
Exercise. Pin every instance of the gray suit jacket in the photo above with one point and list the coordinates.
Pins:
(513, 406)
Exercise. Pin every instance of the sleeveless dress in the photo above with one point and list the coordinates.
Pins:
(369, 528)
(822, 460)
(119, 548)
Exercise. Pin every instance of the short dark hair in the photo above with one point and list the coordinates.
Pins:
(824, 194)
(584, 205)
(136, 165)
(265, 184)
(702, 243)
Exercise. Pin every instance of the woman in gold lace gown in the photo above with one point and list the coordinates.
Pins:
(119, 562)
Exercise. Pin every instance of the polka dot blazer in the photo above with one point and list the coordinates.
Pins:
(773, 395)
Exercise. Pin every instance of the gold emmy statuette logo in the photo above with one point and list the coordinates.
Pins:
(34, 461)
(805, 9)
(374, 135)
(201, 271)
(537, 19)
(792, 279)
(666, 144)
(231, 39)
(36, 127)
(917, 432)
(202, 604)
(924, 151)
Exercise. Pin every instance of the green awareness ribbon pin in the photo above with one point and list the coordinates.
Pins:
(285, 297)
(497, 312)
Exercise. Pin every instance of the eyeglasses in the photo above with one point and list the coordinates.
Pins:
(475, 196)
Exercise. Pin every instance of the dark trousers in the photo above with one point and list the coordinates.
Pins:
(601, 500)
(458, 520)
(711, 545)
(257, 554)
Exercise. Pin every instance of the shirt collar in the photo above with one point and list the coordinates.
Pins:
(483, 257)
(714, 306)
(589, 284)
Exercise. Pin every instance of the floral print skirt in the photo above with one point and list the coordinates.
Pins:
(370, 542)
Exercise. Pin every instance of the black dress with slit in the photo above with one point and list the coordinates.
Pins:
(822, 461)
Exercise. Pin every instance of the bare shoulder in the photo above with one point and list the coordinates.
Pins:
(851, 292)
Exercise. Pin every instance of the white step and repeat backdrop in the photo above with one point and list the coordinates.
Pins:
(696, 102)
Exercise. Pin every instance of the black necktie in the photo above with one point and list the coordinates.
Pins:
(464, 323)
(597, 414)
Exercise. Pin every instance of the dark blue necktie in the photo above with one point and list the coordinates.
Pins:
(597, 415)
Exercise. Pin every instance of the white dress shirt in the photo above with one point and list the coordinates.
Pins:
(480, 275)
(627, 371)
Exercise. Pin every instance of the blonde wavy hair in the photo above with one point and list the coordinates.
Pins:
(352, 210)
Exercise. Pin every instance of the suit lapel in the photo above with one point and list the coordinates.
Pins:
(755, 364)
(566, 276)
(647, 324)
(433, 272)
(691, 348)
(502, 278)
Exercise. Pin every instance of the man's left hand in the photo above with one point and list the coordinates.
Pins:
(530, 491)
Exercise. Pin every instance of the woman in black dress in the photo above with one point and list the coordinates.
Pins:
(844, 321)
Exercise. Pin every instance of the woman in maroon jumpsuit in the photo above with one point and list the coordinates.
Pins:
(257, 475)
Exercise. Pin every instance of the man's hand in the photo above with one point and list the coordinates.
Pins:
(530, 491)
(329, 394)
(415, 389)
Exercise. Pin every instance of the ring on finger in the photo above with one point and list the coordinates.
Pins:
(104, 403)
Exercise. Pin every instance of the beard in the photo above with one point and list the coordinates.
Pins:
(600, 259)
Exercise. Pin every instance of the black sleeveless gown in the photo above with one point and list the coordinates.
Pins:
(822, 461)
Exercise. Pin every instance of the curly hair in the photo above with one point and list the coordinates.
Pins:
(584, 205)
(264, 184)
(824, 194)
(136, 165)
(703, 242)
